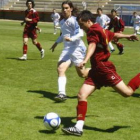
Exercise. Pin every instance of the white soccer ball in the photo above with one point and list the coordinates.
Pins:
(52, 121)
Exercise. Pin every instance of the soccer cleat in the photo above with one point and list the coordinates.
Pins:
(121, 51)
(42, 53)
(72, 131)
(60, 98)
(23, 58)
(111, 51)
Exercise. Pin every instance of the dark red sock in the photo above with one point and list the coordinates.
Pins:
(134, 83)
(39, 46)
(25, 49)
(81, 110)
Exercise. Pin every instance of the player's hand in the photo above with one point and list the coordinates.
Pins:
(22, 23)
(133, 38)
(82, 64)
(68, 39)
(53, 47)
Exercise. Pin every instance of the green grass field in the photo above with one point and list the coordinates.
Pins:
(28, 88)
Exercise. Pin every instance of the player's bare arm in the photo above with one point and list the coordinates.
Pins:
(53, 46)
(90, 52)
(129, 37)
(27, 19)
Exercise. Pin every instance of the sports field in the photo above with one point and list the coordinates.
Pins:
(28, 88)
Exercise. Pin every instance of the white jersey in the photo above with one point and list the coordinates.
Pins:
(70, 28)
(75, 49)
(55, 17)
(136, 21)
(103, 20)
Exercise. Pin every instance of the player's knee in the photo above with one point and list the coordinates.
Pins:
(25, 42)
(34, 42)
(81, 97)
(60, 70)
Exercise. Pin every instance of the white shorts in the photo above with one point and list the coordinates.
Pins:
(74, 56)
(136, 27)
(56, 23)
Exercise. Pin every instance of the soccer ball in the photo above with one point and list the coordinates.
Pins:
(52, 121)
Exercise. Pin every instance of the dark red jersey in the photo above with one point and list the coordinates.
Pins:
(100, 37)
(117, 23)
(31, 14)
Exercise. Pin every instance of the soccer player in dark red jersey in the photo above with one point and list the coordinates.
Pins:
(118, 25)
(31, 19)
(103, 72)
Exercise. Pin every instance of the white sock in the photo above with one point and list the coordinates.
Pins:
(80, 125)
(138, 33)
(62, 85)
(111, 46)
(25, 55)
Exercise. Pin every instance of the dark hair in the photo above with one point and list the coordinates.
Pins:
(99, 9)
(32, 1)
(85, 16)
(113, 10)
(134, 12)
(75, 9)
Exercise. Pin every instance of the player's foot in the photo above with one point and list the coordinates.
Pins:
(111, 51)
(121, 51)
(42, 53)
(24, 57)
(60, 98)
(72, 131)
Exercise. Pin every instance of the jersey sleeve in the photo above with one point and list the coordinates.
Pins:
(121, 25)
(35, 18)
(92, 37)
(78, 33)
(59, 39)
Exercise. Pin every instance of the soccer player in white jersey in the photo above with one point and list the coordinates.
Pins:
(136, 23)
(74, 48)
(55, 17)
(104, 20)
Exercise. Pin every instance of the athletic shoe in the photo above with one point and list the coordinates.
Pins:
(72, 131)
(111, 51)
(23, 58)
(60, 97)
(121, 51)
(42, 53)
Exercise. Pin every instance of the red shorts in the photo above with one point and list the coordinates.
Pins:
(30, 34)
(103, 74)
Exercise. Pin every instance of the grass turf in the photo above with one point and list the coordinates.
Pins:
(28, 88)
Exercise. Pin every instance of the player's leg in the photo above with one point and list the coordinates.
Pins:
(119, 46)
(25, 47)
(62, 80)
(82, 72)
(38, 45)
(112, 49)
(128, 90)
(83, 94)
(77, 57)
